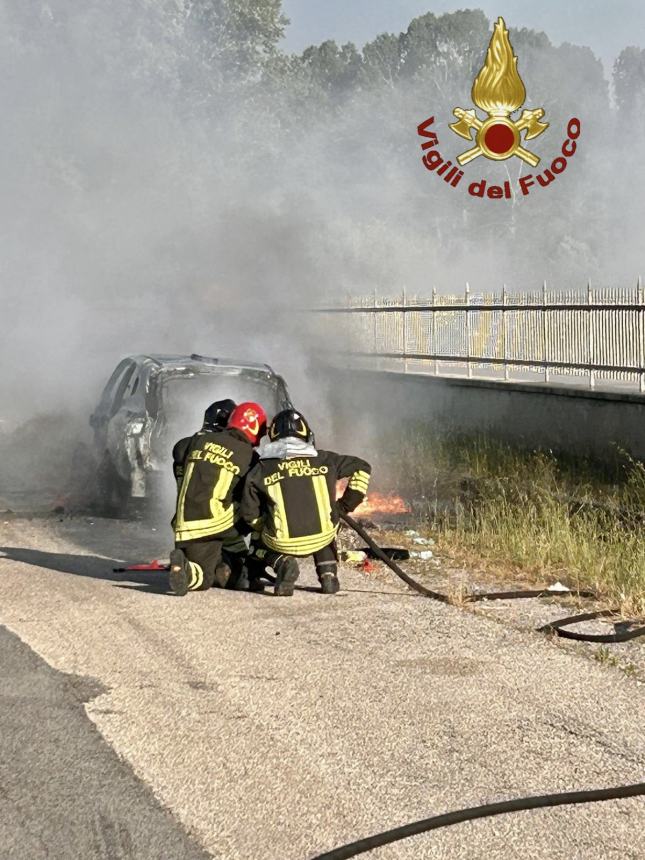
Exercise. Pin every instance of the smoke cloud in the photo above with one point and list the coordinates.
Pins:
(164, 191)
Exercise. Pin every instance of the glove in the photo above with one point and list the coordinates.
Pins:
(350, 500)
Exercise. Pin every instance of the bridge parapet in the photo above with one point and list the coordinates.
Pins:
(563, 337)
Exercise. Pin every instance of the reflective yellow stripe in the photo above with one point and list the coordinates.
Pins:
(222, 519)
(322, 500)
(181, 502)
(359, 481)
(196, 576)
(305, 544)
(279, 513)
(220, 490)
(360, 474)
(300, 546)
(205, 528)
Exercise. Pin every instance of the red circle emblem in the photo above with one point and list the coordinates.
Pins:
(499, 138)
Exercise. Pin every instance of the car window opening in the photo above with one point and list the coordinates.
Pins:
(185, 399)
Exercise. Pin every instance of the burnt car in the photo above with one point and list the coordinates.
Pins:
(151, 401)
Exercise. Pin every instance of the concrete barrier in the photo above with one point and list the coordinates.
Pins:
(565, 419)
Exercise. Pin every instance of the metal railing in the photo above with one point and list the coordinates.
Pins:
(563, 336)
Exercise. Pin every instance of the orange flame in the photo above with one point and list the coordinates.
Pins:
(498, 88)
(378, 503)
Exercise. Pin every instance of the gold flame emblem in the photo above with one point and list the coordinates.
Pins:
(499, 90)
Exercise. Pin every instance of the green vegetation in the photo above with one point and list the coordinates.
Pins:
(534, 514)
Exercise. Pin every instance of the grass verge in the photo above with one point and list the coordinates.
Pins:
(531, 514)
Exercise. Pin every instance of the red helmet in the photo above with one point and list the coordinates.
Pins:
(250, 419)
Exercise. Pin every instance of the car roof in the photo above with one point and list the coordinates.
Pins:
(196, 362)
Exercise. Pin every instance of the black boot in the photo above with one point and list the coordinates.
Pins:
(287, 572)
(329, 583)
(327, 576)
(239, 580)
(222, 575)
(180, 574)
(245, 574)
(255, 570)
(256, 586)
(187, 575)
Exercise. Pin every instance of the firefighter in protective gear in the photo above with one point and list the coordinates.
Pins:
(290, 499)
(215, 463)
(234, 549)
(215, 418)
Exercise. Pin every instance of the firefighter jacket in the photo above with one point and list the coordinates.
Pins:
(291, 499)
(213, 467)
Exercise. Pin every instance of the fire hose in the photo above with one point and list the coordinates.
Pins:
(352, 849)
(556, 627)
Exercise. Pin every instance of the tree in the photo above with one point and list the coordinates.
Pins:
(236, 38)
(448, 43)
(629, 81)
(382, 61)
(334, 69)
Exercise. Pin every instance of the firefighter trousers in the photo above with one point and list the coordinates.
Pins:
(326, 559)
(206, 554)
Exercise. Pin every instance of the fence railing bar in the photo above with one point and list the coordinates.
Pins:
(641, 333)
(472, 308)
(591, 343)
(482, 359)
(545, 332)
(434, 330)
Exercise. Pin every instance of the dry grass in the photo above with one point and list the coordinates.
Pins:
(533, 514)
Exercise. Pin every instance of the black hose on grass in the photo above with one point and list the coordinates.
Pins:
(567, 798)
(378, 552)
(557, 627)
(553, 627)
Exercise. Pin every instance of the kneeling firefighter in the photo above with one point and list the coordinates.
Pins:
(215, 463)
(229, 573)
(290, 499)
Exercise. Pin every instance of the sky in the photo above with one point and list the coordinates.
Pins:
(606, 26)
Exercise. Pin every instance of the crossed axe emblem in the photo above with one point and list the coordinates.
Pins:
(499, 137)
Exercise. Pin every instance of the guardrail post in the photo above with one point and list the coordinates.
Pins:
(405, 332)
(504, 338)
(591, 344)
(641, 334)
(434, 331)
(467, 312)
(545, 332)
(374, 338)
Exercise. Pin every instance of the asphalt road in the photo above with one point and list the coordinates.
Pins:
(278, 728)
(64, 791)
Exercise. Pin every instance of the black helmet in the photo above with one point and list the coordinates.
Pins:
(217, 415)
(290, 423)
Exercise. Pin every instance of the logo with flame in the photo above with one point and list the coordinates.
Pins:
(251, 421)
(498, 89)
